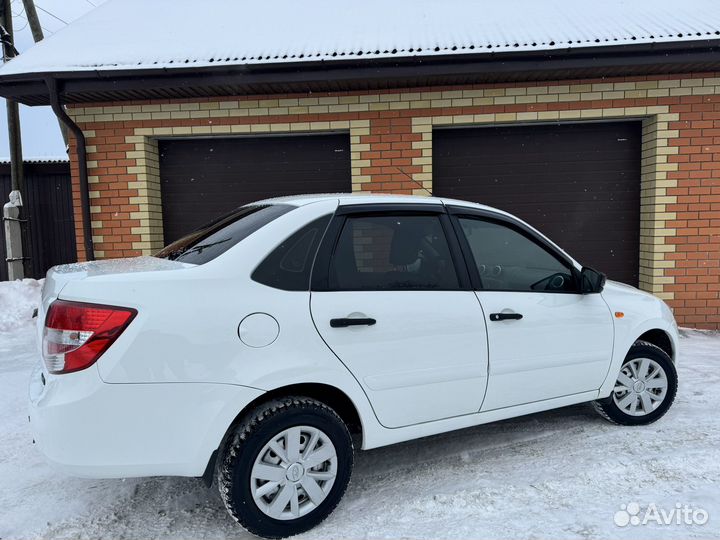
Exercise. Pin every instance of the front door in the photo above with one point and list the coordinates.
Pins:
(546, 340)
(396, 309)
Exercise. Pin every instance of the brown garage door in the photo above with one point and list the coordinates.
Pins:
(577, 183)
(202, 179)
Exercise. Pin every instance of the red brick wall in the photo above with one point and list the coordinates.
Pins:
(697, 256)
(392, 135)
(391, 155)
(109, 152)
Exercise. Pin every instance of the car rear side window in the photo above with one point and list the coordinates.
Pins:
(288, 266)
(392, 252)
(214, 239)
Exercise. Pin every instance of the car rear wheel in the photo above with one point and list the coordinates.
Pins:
(286, 467)
(645, 387)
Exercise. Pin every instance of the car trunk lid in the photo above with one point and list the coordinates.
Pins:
(59, 276)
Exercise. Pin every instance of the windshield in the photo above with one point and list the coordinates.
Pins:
(212, 240)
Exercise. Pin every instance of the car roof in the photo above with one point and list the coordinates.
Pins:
(372, 198)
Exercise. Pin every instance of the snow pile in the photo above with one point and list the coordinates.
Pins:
(18, 299)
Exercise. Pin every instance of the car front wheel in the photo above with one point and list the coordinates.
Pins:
(645, 387)
(286, 467)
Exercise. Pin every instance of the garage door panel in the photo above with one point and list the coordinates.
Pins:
(205, 178)
(509, 193)
(577, 183)
(539, 155)
(249, 167)
(595, 168)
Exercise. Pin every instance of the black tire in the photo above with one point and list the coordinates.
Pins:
(248, 440)
(609, 410)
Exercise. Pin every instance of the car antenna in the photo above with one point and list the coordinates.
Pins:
(418, 183)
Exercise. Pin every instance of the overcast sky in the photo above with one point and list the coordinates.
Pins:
(40, 131)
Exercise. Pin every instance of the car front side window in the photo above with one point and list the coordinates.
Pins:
(508, 260)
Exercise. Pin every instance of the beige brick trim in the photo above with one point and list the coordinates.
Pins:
(653, 203)
(148, 168)
(423, 126)
(358, 129)
(147, 184)
(653, 177)
(654, 244)
(403, 100)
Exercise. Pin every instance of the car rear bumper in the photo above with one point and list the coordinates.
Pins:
(86, 427)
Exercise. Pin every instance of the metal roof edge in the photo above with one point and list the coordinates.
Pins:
(75, 83)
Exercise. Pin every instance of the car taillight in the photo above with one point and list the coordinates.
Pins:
(77, 334)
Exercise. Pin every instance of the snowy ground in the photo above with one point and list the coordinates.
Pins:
(562, 474)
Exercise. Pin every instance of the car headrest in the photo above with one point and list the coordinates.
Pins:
(405, 246)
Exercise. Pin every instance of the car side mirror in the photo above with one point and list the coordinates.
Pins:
(591, 281)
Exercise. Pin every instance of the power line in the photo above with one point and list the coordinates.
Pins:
(18, 15)
(22, 12)
(23, 27)
(51, 14)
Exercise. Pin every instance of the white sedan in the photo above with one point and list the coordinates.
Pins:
(258, 351)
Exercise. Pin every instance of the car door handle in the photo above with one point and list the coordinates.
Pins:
(344, 323)
(505, 316)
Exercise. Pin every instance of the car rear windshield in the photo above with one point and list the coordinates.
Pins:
(214, 239)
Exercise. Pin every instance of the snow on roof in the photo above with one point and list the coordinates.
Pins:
(139, 34)
(371, 198)
(39, 160)
(353, 198)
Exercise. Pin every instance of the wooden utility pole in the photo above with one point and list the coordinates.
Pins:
(37, 34)
(33, 20)
(13, 112)
(13, 210)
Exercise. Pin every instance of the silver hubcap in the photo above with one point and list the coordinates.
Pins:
(641, 387)
(293, 473)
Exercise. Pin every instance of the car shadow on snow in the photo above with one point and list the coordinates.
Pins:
(474, 441)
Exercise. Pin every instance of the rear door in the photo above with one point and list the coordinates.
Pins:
(546, 340)
(391, 298)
